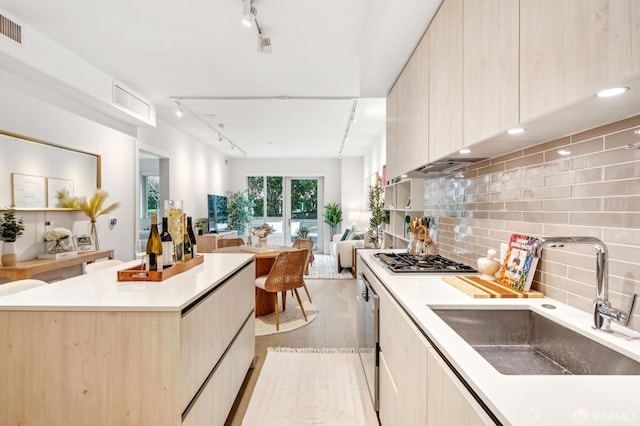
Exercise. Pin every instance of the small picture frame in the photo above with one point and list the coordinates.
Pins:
(84, 243)
(408, 203)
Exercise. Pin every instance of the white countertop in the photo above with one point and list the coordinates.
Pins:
(101, 290)
(521, 400)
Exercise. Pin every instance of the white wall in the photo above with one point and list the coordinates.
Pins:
(329, 169)
(376, 157)
(353, 190)
(196, 168)
(32, 117)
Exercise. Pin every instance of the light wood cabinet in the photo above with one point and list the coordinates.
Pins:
(392, 134)
(418, 153)
(405, 116)
(570, 49)
(208, 243)
(404, 350)
(445, 80)
(635, 35)
(130, 367)
(405, 197)
(448, 401)
(491, 73)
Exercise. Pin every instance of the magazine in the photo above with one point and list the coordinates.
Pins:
(519, 264)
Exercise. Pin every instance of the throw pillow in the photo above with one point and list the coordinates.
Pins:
(345, 236)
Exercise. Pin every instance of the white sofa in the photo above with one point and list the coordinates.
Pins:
(343, 250)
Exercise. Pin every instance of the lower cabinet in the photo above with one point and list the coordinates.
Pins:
(416, 386)
(448, 400)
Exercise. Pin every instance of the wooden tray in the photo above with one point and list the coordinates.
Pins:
(140, 274)
(474, 286)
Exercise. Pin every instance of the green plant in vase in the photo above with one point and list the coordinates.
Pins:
(238, 211)
(379, 217)
(332, 216)
(11, 227)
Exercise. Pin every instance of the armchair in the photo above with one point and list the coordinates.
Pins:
(342, 249)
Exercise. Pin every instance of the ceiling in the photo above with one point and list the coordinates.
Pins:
(328, 57)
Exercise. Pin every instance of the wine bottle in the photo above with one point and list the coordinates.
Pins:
(192, 236)
(154, 246)
(186, 241)
(167, 244)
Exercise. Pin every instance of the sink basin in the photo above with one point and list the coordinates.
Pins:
(522, 342)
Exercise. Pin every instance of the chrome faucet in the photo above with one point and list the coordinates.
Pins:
(603, 313)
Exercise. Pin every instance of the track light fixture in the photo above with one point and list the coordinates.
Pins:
(248, 13)
(179, 111)
(184, 108)
(264, 45)
(345, 138)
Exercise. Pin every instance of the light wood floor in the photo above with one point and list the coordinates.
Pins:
(334, 327)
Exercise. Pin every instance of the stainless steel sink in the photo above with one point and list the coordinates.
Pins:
(522, 342)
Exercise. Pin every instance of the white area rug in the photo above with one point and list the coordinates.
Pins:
(325, 267)
(290, 319)
(311, 387)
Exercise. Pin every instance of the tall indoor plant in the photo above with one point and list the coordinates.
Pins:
(11, 228)
(378, 216)
(332, 216)
(238, 211)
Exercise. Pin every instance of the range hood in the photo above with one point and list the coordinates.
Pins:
(443, 167)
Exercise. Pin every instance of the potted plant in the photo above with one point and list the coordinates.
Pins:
(332, 216)
(378, 216)
(200, 225)
(238, 211)
(11, 228)
(303, 232)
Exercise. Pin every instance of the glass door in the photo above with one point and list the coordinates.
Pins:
(302, 197)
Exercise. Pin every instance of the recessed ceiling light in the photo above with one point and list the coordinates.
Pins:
(564, 152)
(464, 151)
(516, 130)
(614, 91)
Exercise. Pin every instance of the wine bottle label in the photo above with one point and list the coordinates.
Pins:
(167, 253)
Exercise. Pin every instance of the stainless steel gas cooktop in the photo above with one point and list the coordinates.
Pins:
(406, 263)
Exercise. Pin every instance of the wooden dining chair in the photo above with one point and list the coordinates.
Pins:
(307, 245)
(230, 242)
(286, 274)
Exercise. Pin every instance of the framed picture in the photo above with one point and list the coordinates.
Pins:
(28, 191)
(84, 243)
(53, 186)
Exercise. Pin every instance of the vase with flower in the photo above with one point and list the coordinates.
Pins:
(262, 232)
(92, 207)
(58, 240)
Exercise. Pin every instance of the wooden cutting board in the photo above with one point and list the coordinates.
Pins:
(474, 286)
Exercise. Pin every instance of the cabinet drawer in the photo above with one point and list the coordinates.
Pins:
(207, 329)
(213, 404)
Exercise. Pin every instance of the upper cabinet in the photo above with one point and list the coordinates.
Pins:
(405, 116)
(570, 49)
(392, 133)
(419, 146)
(491, 79)
(445, 80)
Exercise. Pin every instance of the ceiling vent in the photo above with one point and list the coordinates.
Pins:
(10, 29)
(130, 102)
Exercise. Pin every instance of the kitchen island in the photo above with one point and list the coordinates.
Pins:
(92, 350)
(430, 375)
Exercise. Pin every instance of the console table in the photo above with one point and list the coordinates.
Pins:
(29, 268)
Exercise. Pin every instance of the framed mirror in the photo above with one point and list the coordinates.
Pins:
(32, 172)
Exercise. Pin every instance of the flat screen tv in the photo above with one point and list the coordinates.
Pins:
(217, 206)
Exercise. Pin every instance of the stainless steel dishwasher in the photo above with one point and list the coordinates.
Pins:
(369, 335)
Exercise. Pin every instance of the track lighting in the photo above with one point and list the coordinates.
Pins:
(179, 110)
(264, 45)
(248, 13)
(219, 138)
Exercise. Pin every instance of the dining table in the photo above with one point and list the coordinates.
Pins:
(265, 258)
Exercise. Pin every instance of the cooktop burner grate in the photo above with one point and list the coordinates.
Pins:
(406, 263)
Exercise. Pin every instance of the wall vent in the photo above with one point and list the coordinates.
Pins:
(130, 102)
(10, 29)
